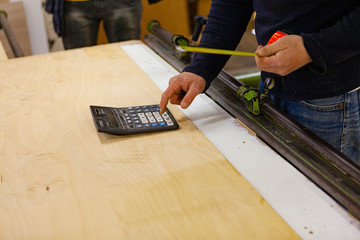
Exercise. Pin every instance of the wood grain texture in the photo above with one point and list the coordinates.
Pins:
(172, 15)
(60, 179)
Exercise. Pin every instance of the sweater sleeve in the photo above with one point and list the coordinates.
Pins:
(334, 44)
(225, 26)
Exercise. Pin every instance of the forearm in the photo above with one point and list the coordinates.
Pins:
(226, 24)
(336, 43)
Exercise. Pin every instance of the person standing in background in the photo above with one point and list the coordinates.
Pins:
(78, 21)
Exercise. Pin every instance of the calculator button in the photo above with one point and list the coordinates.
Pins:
(101, 123)
(170, 123)
(159, 119)
(148, 114)
(141, 115)
(137, 121)
(138, 126)
(155, 124)
(129, 121)
(144, 120)
(147, 125)
(162, 124)
(152, 120)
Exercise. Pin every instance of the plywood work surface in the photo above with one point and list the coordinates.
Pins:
(60, 179)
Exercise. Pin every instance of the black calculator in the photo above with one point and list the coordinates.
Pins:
(132, 120)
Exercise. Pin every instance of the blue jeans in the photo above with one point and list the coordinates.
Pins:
(121, 18)
(334, 119)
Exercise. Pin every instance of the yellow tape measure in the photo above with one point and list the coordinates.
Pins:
(214, 51)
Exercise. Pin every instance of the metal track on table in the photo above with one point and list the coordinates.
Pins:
(331, 170)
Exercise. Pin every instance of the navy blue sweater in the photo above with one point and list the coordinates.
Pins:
(331, 33)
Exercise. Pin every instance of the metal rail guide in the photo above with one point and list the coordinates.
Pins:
(4, 24)
(331, 170)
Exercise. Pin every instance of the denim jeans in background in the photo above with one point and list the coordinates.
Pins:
(122, 21)
(334, 119)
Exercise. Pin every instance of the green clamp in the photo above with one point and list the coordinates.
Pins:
(151, 24)
(4, 12)
(251, 96)
(180, 40)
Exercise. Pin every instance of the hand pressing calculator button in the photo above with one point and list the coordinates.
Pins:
(132, 120)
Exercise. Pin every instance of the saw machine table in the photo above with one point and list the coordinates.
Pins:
(335, 173)
(211, 179)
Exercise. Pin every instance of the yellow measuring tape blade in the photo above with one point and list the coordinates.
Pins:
(214, 51)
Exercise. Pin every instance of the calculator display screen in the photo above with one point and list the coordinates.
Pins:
(112, 118)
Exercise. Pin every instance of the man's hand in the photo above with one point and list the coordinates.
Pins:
(182, 90)
(283, 56)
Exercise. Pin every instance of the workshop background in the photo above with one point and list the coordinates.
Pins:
(34, 31)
